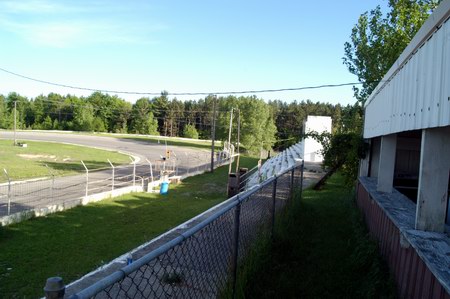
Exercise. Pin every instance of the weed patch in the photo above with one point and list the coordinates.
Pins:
(321, 249)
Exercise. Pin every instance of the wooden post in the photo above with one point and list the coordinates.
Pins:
(235, 247)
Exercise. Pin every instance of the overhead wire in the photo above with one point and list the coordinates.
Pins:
(183, 118)
(181, 93)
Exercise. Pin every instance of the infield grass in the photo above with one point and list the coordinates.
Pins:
(40, 159)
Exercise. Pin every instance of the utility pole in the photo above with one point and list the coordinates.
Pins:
(229, 139)
(238, 139)
(15, 122)
(213, 133)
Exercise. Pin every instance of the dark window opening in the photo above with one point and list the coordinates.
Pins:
(407, 163)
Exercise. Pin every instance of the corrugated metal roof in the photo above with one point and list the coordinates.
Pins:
(415, 93)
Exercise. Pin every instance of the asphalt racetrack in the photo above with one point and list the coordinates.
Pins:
(66, 190)
(138, 148)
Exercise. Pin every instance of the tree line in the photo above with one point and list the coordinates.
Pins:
(272, 124)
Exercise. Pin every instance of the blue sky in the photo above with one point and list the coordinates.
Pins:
(179, 46)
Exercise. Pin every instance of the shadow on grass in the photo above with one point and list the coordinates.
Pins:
(76, 165)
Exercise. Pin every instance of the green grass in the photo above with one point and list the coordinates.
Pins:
(71, 243)
(62, 159)
(321, 249)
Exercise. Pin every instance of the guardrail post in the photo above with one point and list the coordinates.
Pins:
(151, 170)
(87, 177)
(113, 172)
(9, 191)
(274, 197)
(134, 171)
(54, 288)
(175, 163)
(235, 246)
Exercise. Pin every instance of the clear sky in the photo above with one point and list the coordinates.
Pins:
(179, 46)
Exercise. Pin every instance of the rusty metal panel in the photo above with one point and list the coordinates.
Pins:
(426, 284)
(420, 275)
(417, 93)
(408, 272)
(413, 278)
(437, 290)
(385, 236)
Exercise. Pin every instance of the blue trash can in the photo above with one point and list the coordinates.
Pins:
(164, 188)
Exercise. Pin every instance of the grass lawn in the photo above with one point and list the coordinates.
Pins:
(62, 159)
(321, 249)
(71, 243)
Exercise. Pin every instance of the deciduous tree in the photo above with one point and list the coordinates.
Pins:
(377, 40)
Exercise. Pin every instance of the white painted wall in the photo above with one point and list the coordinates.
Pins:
(312, 148)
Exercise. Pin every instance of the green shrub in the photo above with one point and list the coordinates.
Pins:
(190, 132)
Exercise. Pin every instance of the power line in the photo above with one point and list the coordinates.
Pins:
(181, 93)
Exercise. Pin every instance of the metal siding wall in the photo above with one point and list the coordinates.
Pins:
(412, 277)
(417, 97)
(415, 69)
(445, 78)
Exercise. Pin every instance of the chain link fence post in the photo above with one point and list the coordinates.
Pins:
(151, 169)
(291, 187)
(235, 247)
(9, 191)
(175, 162)
(274, 197)
(134, 171)
(87, 178)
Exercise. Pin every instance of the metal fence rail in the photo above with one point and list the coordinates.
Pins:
(203, 261)
(20, 196)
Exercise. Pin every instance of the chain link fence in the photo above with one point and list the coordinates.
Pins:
(203, 261)
(56, 192)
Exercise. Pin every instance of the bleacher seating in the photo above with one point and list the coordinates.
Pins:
(276, 165)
